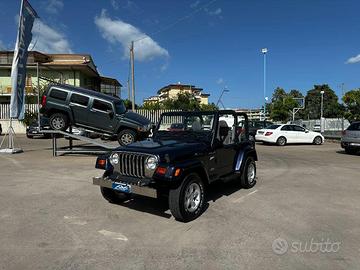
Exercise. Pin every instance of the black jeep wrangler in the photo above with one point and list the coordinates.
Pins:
(66, 105)
(188, 151)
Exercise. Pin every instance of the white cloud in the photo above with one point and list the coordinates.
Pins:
(49, 40)
(220, 81)
(54, 6)
(117, 31)
(353, 60)
(215, 12)
(195, 4)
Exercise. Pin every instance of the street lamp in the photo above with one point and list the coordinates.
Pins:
(225, 90)
(264, 52)
(322, 112)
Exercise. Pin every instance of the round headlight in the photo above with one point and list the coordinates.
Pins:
(114, 159)
(151, 163)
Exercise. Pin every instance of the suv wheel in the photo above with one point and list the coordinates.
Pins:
(113, 196)
(59, 121)
(350, 151)
(186, 202)
(317, 140)
(281, 141)
(126, 137)
(248, 176)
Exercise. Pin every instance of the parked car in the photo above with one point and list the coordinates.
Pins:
(66, 105)
(286, 134)
(350, 139)
(179, 164)
(33, 129)
(254, 126)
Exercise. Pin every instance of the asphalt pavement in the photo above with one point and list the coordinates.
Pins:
(304, 213)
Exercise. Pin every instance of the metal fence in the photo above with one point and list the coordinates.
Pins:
(154, 115)
(5, 110)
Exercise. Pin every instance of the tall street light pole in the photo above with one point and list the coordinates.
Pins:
(264, 52)
(225, 90)
(322, 112)
(132, 76)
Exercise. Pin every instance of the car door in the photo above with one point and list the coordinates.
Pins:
(102, 115)
(79, 108)
(226, 148)
(288, 132)
(301, 135)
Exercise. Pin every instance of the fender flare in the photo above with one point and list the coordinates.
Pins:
(241, 157)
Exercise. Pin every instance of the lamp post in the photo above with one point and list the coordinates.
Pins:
(264, 52)
(322, 112)
(222, 93)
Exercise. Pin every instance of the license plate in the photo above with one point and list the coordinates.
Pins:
(121, 187)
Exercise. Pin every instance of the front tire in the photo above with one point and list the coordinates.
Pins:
(281, 141)
(248, 176)
(59, 121)
(186, 202)
(317, 140)
(350, 151)
(126, 137)
(113, 196)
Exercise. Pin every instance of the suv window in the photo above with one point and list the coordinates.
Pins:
(101, 105)
(298, 128)
(79, 99)
(58, 94)
(287, 128)
(354, 127)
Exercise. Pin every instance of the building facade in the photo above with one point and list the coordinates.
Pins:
(74, 69)
(171, 91)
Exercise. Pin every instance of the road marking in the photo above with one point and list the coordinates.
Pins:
(245, 196)
(114, 235)
(75, 220)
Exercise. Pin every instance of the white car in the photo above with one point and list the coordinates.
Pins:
(284, 134)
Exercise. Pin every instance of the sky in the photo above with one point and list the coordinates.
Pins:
(211, 44)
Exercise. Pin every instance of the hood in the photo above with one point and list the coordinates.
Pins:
(137, 118)
(173, 149)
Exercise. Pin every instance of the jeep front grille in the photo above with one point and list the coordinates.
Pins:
(132, 164)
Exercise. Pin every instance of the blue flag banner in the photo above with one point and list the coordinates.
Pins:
(18, 70)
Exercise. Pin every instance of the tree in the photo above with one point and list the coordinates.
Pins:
(282, 103)
(332, 108)
(128, 104)
(208, 107)
(352, 105)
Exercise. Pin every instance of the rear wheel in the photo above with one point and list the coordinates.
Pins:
(126, 137)
(186, 202)
(113, 196)
(350, 151)
(248, 176)
(59, 121)
(281, 141)
(317, 140)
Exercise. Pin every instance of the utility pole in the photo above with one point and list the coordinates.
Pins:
(264, 51)
(132, 76)
(342, 96)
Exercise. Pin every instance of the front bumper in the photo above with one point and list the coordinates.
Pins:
(347, 144)
(139, 187)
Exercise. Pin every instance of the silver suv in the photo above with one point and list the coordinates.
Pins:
(350, 140)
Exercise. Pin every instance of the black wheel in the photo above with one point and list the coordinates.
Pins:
(317, 140)
(281, 141)
(59, 121)
(248, 175)
(29, 136)
(186, 202)
(113, 196)
(126, 137)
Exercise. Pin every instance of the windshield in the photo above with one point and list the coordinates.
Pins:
(120, 107)
(186, 126)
